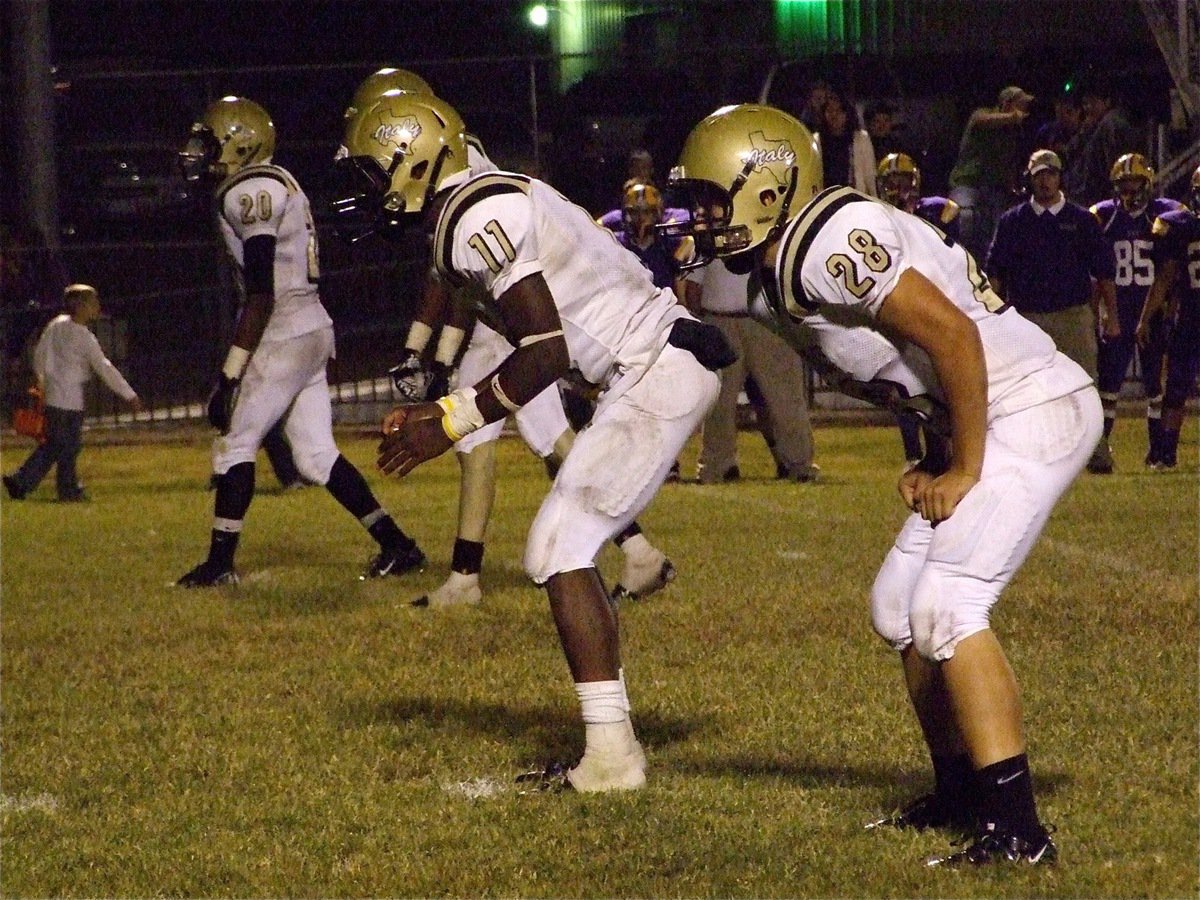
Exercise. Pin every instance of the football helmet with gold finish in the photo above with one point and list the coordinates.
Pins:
(232, 133)
(744, 171)
(1132, 181)
(898, 180)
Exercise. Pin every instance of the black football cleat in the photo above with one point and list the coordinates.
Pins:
(998, 845)
(394, 560)
(208, 574)
(928, 811)
(550, 780)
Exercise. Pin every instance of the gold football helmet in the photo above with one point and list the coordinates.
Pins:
(375, 85)
(233, 133)
(1132, 180)
(898, 180)
(641, 209)
(744, 171)
(398, 151)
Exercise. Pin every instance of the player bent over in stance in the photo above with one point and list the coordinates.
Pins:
(562, 292)
(283, 342)
(902, 311)
(542, 424)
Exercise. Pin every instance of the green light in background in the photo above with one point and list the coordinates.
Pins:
(539, 15)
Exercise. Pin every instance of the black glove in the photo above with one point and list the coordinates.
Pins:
(221, 402)
(439, 381)
(410, 380)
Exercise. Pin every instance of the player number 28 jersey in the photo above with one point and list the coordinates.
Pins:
(843, 254)
(266, 199)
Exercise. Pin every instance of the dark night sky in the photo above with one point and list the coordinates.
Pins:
(176, 34)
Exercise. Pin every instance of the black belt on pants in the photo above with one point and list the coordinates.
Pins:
(703, 341)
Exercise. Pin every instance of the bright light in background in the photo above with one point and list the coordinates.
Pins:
(539, 15)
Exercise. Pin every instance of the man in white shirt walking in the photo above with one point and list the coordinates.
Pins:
(65, 359)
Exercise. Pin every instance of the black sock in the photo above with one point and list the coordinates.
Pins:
(633, 529)
(1006, 798)
(468, 557)
(954, 777)
(1109, 421)
(222, 546)
(350, 489)
(235, 490)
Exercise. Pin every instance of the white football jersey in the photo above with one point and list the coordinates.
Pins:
(498, 228)
(842, 255)
(265, 199)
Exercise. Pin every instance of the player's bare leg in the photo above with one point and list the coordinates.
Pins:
(587, 629)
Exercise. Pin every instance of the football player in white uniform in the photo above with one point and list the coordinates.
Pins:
(541, 422)
(284, 339)
(562, 292)
(906, 314)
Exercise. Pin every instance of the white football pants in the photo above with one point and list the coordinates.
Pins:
(284, 377)
(938, 584)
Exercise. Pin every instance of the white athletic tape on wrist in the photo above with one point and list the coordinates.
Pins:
(462, 415)
(418, 336)
(449, 341)
(503, 397)
(235, 362)
(531, 339)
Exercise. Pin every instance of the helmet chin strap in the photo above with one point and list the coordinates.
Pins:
(781, 220)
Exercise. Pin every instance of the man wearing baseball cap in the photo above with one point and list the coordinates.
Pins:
(985, 179)
(1042, 261)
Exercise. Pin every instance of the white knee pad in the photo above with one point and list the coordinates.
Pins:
(563, 538)
(891, 594)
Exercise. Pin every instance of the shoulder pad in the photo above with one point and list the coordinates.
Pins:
(462, 199)
(262, 170)
(1160, 227)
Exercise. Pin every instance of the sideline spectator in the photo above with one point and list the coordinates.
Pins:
(1043, 260)
(985, 178)
(847, 156)
(1104, 135)
(722, 298)
(1057, 134)
(66, 358)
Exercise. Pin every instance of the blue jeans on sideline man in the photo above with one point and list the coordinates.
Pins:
(64, 440)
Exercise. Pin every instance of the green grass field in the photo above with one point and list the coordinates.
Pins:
(310, 735)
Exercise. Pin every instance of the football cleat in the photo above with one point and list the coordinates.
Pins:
(13, 489)
(461, 591)
(997, 845)
(394, 560)
(927, 811)
(552, 780)
(208, 574)
(1101, 462)
(643, 577)
(599, 771)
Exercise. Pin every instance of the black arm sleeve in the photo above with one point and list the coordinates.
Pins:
(258, 265)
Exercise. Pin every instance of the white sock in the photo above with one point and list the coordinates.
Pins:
(637, 546)
(605, 719)
(462, 579)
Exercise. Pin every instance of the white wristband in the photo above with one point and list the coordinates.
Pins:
(449, 341)
(235, 362)
(462, 414)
